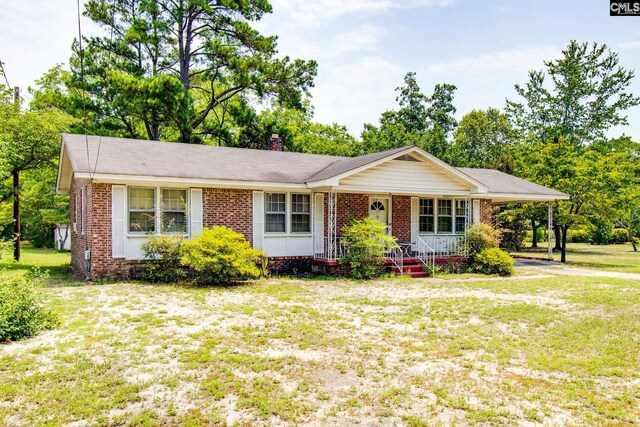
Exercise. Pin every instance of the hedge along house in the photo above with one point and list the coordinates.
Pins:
(292, 206)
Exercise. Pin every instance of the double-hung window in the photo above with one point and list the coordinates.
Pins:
(142, 210)
(174, 211)
(445, 216)
(300, 213)
(426, 216)
(275, 213)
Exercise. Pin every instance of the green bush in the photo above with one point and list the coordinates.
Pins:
(580, 234)
(619, 236)
(22, 310)
(493, 261)
(163, 254)
(602, 231)
(366, 242)
(481, 236)
(220, 255)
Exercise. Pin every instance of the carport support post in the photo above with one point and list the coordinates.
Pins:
(549, 229)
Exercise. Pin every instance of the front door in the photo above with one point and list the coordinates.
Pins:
(379, 209)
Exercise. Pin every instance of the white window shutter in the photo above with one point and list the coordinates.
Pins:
(195, 212)
(118, 219)
(258, 219)
(318, 223)
(415, 221)
(476, 212)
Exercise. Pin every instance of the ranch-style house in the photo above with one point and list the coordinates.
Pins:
(292, 206)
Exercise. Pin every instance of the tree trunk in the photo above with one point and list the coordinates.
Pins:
(633, 242)
(563, 256)
(556, 231)
(534, 228)
(16, 215)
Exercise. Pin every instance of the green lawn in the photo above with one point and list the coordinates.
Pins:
(601, 257)
(54, 262)
(558, 351)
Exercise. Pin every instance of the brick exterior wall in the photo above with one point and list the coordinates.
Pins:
(486, 211)
(401, 218)
(347, 206)
(228, 207)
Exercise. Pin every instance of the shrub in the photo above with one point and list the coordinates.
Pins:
(481, 236)
(580, 234)
(619, 236)
(220, 255)
(493, 261)
(602, 231)
(366, 242)
(513, 226)
(22, 310)
(163, 255)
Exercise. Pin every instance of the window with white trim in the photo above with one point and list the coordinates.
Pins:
(173, 210)
(275, 212)
(82, 209)
(426, 216)
(300, 213)
(445, 216)
(142, 210)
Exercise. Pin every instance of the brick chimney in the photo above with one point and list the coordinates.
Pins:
(275, 143)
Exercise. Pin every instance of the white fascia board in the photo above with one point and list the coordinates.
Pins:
(188, 182)
(60, 166)
(514, 197)
(403, 192)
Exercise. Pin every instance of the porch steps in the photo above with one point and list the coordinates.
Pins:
(411, 267)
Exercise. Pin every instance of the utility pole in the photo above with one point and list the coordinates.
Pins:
(16, 194)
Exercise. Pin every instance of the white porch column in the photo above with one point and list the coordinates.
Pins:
(331, 225)
(549, 228)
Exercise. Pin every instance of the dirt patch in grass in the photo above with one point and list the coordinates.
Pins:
(387, 352)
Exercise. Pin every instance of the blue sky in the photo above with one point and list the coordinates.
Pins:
(365, 47)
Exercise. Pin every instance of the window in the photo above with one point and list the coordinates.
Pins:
(426, 216)
(275, 210)
(461, 216)
(300, 213)
(82, 208)
(174, 211)
(142, 210)
(445, 216)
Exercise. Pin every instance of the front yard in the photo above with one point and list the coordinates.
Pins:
(554, 350)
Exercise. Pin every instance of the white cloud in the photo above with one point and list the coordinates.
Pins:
(628, 46)
(515, 60)
(306, 12)
(356, 92)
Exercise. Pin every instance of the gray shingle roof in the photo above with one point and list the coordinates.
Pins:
(500, 182)
(121, 156)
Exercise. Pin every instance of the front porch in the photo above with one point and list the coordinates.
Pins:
(428, 229)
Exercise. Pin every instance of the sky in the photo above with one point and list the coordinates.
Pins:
(365, 47)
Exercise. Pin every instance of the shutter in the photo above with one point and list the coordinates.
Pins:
(195, 212)
(415, 221)
(118, 219)
(258, 219)
(318, 223)
(476, 212)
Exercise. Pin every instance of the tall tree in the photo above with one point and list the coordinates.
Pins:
(170, 63)
(421, 120)
(483, 140)
(588, 93)
(28, 140)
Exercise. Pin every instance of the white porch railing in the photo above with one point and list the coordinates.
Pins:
(397, 258)
(446, 245)
(426, 254)
(332, 249)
